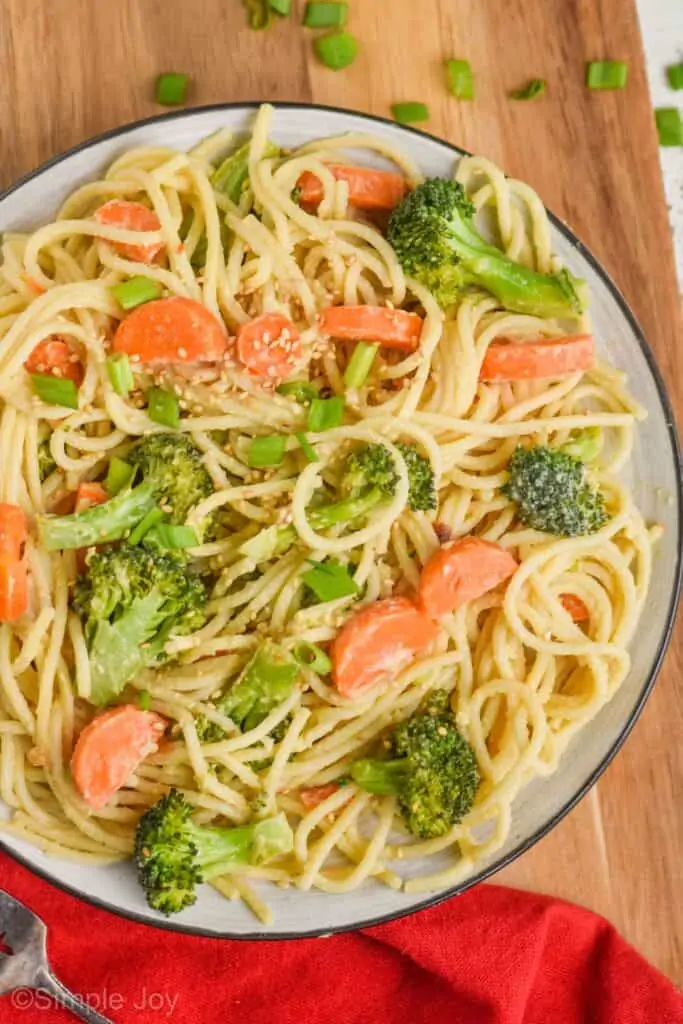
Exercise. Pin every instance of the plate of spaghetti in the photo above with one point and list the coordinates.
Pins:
(339, 520)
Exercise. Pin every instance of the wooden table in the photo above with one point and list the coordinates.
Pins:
(73, 68)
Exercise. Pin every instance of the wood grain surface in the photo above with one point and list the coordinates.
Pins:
(73, 68)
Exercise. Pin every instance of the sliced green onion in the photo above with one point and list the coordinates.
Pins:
(163, 407)
(460, 79)
(258, 13)
(307, 448)
(360, 364)
(325, 413)
(267, 451)
(330, 580)
(536, 87)
(133, 293)
(321, 15)
(410, 113)
(145, 700)
(120, 373)
(313, 657)
(119, 475)
(171, 89)
(669, 126)
(55, 390)
(302, 390)
(607, 74)
(675, 75)
(336, 50)
(282, 7)
(171, 537)
(154, 516)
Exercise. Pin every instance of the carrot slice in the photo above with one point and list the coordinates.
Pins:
(174, 330)
(269, 346)
(377, 641)
(109, 750)
(123, 213)
(369, 189)
(460, 572)
(13, 568)
(534, 360)
(575, 606)
(88, 494)
(391, 328)
(313, 797)
(58, 358)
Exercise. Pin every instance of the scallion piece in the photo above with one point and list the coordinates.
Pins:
(307, 448)
(336, 50)
(55, 390)
(330, 580)
(325, 413)
(536, 87)
(134, 292)
(409, 113)
(267, 451)
(360, 364)
(669, 126)
(144, 700)
(606, 74)
(282, 7)
(154, 516)
(313, 657)
(120, 373)
(302, 390)
(460, 79)
(171, 89)
(323, 15)
(163, 407)
(675, 75)
(171, 537)
(119, 475)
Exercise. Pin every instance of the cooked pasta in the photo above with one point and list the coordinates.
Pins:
(523, 673)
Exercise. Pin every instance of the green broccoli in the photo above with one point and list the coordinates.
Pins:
(173, 855)
(369, 479)
(434, 236)
(132, 601)
(552, 490)
(432, 769)
(265, 682)
(172, 472)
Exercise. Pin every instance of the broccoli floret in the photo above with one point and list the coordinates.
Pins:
(265, 682)
(432, 769)
(173, 855)
(132, 601)
(553, 493)
(171, 470)
(434, 236)
(369, 478)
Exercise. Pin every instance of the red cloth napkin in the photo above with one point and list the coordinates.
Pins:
(492, 956)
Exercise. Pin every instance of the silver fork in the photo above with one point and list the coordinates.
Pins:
(27, 966)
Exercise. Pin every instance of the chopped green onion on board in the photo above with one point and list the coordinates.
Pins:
(325, 15)
(460, 79)
(536, 87)
(281, 7)
(675, 75)
(336, 50)
(171, 89)
(607, 74)
(409, 113)
(669, 126)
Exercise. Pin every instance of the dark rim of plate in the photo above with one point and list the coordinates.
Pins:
(432, 899)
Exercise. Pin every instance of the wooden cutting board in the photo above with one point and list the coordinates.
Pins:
(73, 68)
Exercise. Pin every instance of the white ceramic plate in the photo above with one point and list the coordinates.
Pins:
(655, 476)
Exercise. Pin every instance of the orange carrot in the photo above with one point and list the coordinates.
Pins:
(174, 330)
(58, 358)
(269, 346)
(378, 641)
(34, 285)
(534, 360)
(122, 213)
(313, 797)
(89, 493)
(391, 328)
(369, 189)
(13, 568)
(460, 572)
(575, 606)
(110, 749)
